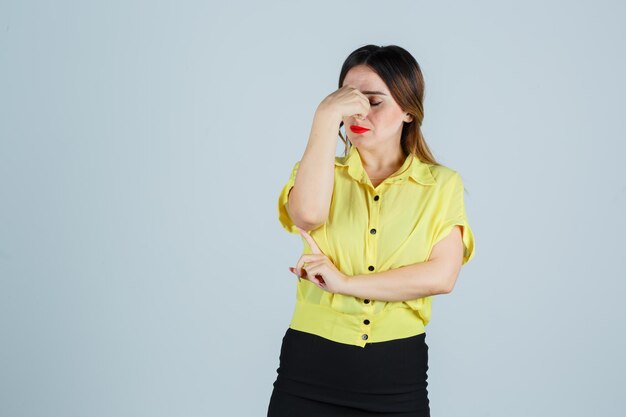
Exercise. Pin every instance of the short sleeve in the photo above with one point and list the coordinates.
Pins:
(283, 199)
(453, 213)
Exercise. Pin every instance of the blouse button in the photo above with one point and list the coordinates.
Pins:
(366, 301)
(371, 267)
(364, 337)
(376, 198)
(373, 231)
(366, 321)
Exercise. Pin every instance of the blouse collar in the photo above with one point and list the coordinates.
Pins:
(411, 168)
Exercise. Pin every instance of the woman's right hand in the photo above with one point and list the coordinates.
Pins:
(345, 102)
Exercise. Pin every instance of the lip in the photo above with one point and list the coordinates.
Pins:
(358, 129)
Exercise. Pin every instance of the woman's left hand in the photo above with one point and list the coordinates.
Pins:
(319, 269)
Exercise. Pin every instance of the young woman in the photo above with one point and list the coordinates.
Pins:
(384, 230)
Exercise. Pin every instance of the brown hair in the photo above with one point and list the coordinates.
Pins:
(403, 76)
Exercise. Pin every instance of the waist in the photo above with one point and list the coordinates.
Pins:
(356, 329)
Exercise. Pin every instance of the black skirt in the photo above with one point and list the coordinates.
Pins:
(318, 376)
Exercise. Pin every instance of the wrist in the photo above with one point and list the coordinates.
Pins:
(325, 115)
(347, 283)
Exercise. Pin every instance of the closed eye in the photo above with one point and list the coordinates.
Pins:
(375, 104)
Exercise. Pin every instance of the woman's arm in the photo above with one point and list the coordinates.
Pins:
(437, 275)
(310, 196)
(308, 201)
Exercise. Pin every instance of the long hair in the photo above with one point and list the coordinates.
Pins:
(403, 76)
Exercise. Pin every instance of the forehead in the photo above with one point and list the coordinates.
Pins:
(365, 79)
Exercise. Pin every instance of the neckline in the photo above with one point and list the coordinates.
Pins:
(406, 165)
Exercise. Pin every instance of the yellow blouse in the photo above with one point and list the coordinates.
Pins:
(373, 229)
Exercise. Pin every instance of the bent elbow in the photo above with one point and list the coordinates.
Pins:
(447, 289)
(308, 220)
(309, 226)
(449, 283)
(306, 216)
(309, 223)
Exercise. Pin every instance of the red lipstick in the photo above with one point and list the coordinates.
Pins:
(358, 129)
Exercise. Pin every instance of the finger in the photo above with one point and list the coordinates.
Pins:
(293, 271)
(311, 242)
(316, 270)
(307, 270)
(299, 270)
(304, 258)
(314, 276)
(363, 98)
(366, 105)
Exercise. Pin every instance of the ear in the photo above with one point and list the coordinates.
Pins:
(408, 118)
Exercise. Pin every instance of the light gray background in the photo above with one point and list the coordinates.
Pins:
(143, 271)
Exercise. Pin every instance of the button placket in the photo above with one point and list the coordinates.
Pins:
(366, 329)
(372, 251)
(372, 241)
(365, 324)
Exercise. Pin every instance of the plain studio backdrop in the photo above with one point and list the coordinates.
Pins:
(143, 145)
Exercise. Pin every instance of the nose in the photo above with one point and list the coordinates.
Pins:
(359, 118)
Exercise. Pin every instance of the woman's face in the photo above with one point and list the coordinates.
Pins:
(385, 118)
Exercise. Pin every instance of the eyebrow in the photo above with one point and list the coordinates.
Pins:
(378, 93)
